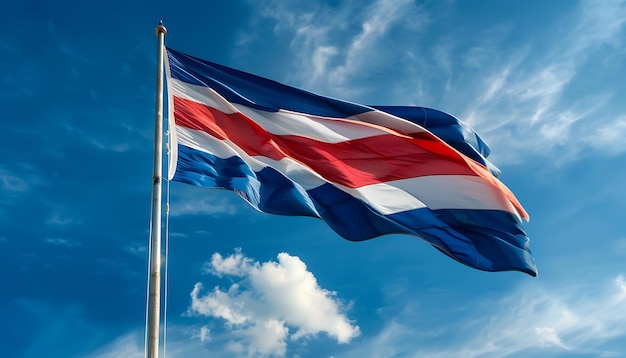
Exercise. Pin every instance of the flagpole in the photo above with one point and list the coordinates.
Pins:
(154, 298)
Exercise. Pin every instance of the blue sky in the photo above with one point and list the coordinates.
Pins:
(541, 81)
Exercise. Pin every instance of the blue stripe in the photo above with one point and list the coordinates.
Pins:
(254, 91)
(350, 217)
(496, 237)
(267, 190)
(484, 239)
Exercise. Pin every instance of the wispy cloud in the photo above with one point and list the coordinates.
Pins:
(19, 182)
(365, 46)
(21, 178)
(11, 182)
(138, 250)
(111, 133)
(268, 301)
(608, 135)
(525, 98)
(58, 219)
(205, 334)
(129, 345)
(72, 52)
(59, 241)
(586, 318)
(336, 56)
(189, 203)
(542, 102)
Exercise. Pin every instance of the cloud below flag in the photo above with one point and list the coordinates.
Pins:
(366, 171)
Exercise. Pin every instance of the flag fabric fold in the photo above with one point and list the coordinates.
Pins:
(366, 171)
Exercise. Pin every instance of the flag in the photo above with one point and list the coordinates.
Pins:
(366, 171)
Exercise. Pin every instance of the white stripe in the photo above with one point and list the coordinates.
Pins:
(456, 192)
(435, 191)
(283, 122)
(200, 94)
(385, 198)
(390, 121)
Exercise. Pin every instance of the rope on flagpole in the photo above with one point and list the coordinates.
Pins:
(167, 265)
(149, 269)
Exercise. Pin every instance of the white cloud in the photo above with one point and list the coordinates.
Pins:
(233, 265)
(270, 300)
(266, 338)
(205, 333)
(218, 304)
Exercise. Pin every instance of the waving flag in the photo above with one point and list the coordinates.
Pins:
(366, 171)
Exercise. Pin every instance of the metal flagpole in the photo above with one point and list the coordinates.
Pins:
(154, 307)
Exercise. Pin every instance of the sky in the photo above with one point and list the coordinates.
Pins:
(541, 81)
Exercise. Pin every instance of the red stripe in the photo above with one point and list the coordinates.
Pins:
(353, 163)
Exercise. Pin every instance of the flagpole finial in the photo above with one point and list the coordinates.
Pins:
(160, 29)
